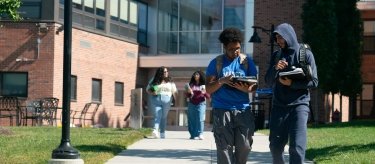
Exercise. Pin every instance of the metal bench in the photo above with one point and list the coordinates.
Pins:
(10, 108)
(86, 114)
(41, 111)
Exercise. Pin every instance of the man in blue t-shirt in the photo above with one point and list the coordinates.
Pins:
(233, 125)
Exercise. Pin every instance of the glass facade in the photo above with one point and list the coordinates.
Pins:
(193, 27)
(123, 14)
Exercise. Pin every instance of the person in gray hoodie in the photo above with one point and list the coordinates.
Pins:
(291, 97)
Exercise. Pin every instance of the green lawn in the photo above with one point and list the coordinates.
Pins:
(352, 142)
(35, 144)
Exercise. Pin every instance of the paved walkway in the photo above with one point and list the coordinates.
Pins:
(177, 148)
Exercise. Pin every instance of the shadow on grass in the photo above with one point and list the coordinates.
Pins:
(111, 148)
(329, 151)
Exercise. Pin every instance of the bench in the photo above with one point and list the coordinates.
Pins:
(86, 114)
(43, 110)
(10, 108)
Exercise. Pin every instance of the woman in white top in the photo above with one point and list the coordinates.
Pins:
(161, 88)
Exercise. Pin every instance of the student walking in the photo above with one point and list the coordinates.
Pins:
(233, 125)
(161, 88)
(290, 101)
(196, 95)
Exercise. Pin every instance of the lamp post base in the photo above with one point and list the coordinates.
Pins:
(65, 151)
(65, 161)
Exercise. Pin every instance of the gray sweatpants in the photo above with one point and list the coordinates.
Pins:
(233, 132)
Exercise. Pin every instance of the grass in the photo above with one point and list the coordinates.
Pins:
(35, 144)
(351, 142)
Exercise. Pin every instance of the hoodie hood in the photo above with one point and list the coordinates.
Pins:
(289, 35)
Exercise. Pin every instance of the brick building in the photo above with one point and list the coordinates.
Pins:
(104, 62)
(117, 45)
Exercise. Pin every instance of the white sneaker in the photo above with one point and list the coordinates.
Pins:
(155, 134)
(162, 135)
(201, 137)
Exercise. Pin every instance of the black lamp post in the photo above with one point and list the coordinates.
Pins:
(65, 150)
(256, 39)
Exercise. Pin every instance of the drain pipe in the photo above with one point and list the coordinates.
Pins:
(38, 41)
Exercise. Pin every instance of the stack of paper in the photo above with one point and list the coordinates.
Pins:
(293, 74)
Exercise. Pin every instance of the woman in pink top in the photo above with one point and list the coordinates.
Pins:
(196, 93)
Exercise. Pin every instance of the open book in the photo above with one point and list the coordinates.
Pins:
(250, 80)
(293, 74)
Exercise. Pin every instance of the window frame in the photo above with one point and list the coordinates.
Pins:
(73, 87)
(100, 96)
(17, 95)
(121, 89)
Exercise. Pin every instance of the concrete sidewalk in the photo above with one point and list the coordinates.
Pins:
(177, 148)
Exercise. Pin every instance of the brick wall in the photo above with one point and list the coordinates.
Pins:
(93, 56)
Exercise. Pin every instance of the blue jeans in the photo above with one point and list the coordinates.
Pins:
(160, 104)
(288, 123)
(196, 117)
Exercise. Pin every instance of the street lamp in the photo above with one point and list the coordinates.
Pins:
(65, 153)
(256, 39)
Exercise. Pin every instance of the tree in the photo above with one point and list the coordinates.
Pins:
(334, 30)
(349, 47)
(320, 31)
(9, 7)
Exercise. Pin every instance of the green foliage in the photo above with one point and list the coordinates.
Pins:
(35, 144)
(320, 31)
(10, 7)
(334, 29)
(349, 43)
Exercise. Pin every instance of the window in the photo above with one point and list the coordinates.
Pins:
(14, 84)
(30, 10)
(73, 87)
(124, 19)
(100, 7)
(89, 6)
(192, 27)
(234, 14)
(369, 36)
(77, 4)
(100, 24)
(124, 11)
(133, 13)
(119, 93)
(114, 9)
(96, 91)
(142, 23)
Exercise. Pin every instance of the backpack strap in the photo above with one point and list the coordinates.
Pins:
(219, 64)
(302, 54)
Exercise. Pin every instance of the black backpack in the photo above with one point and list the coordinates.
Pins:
(302, 60)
